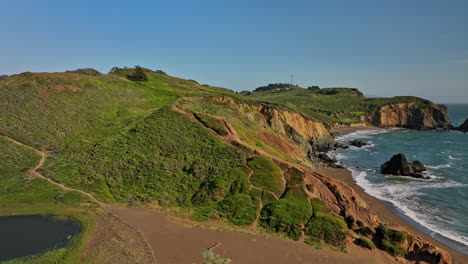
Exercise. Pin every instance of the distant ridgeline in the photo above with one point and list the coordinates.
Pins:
(344, 106)
(135, 135)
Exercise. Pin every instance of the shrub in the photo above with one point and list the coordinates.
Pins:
(365, 242)
(288, 214)
(390, 240)
(268, 198)
(350, 221)
(241, 183)
(86, 71)
(204, 213)
(325, 226)
(138, 75)
(239, 209)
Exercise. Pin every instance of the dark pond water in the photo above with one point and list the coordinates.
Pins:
(33, 234)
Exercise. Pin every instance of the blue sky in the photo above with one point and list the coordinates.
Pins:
(384, 48)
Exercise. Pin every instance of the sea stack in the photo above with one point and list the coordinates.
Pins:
(358, 143)
(463, 127)
(398, 165)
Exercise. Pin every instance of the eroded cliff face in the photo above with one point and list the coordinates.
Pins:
(410, 115)
(310, 135)
(341, 198)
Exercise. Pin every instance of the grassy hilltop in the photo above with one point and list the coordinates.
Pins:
(166, 140)
(329, 105)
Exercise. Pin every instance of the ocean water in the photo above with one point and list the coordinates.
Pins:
(439, 206)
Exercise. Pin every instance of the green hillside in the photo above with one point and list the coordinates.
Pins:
(329, 105)
(165, 140)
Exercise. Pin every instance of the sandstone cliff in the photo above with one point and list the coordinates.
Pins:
(311, 136)
(422, 116)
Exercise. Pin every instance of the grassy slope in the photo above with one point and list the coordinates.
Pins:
(122, 141)
(267, 174)
(329, 105)
(69, 122)
(21, 194)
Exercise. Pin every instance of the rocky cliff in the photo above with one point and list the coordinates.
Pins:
(311, 136)
(412, 115)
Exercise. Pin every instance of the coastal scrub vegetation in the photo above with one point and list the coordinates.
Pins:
(267, 175)
(124, 141)
(325, 227)
(21, 194)
(391, 240)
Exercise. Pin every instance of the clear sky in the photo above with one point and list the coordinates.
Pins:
(384, 48)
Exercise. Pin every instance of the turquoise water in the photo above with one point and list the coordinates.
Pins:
(439, 204)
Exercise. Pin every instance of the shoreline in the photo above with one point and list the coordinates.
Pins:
(389, 213)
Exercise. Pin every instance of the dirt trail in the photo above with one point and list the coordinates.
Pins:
(106, 207)
(39, 175)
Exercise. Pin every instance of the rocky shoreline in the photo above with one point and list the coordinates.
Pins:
(386, 211)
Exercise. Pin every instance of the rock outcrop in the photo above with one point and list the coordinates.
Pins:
(339, 145)
(422, 251)
(412, 115)
(311, 136)
(398, 165)
(358, 143)
(463, 127)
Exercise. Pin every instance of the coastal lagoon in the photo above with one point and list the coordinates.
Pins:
(439, 205)
(26, 235)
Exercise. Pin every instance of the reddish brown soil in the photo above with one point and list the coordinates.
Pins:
(115, 242)
(175, 243)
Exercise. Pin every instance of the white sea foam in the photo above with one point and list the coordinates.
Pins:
(368, 133)
(452, 158)
(442, 166)
(404, 197)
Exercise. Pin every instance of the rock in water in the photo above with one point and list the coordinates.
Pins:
(358, 143)
(339, 145)
(464, 126)
(398, 165)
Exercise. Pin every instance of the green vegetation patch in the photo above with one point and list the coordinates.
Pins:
(267, 175)
(240, 209)
(165, 157)
(365, 242)
(22, 194)
(17, 186)
(215, 124)
(325, 226)
(268, 198)
(391, 240)
(288, 214)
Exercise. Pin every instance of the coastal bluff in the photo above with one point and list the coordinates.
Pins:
(412, 115)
